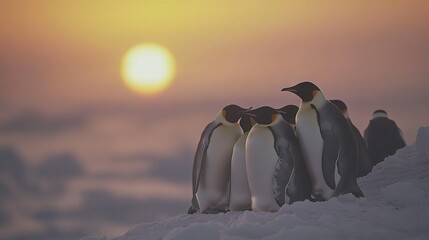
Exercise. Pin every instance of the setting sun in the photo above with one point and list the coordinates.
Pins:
(148, 68)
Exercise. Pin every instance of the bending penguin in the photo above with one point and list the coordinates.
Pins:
(288, 113)
(329, 147)
(272, 150)
(364, 163)
(239, 191)
(299, 187)
(382, 136)
(212, 162)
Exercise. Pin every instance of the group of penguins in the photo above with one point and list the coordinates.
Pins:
(259, 159)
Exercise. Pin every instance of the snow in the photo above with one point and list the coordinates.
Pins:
(394, 207)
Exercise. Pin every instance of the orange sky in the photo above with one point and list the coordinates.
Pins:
(62, 58)
(71, 50)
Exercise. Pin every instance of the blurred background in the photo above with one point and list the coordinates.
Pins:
(82, 154)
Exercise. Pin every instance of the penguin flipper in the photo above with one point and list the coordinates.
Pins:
(282, 172)
(347, 182)
(299, 186)
(364, 163)
(228, 197)
(348, 186)
(200, 159)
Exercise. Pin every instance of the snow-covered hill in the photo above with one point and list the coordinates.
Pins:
(395, 207)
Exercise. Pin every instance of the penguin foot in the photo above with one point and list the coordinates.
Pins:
(358, 194)
(316, 199)
(214, 211)
(192, 210)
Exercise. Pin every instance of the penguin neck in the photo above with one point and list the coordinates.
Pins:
(317, 101)
(346, 115)
(277, 119)
(221, 119)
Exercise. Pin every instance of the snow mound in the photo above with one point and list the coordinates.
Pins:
(394, 207)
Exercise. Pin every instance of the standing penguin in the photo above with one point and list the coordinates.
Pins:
(382, 136)
(212, 162)
(329, 147)
(364, 163)
(272, 151)
(239, 191)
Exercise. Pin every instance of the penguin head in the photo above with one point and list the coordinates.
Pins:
(232, 113)
(246, 123)
(341, 106)
(305, 90)
(264, 115)
(379, 113)
(288, 113)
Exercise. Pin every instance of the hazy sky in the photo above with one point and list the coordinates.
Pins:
(58, 56)
(61, 89)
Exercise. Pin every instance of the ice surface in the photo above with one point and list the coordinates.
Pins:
(395, 207)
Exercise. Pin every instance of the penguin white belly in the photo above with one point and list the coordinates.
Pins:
(261, 159)
(311, 142)
(240, 198)
(213, 189)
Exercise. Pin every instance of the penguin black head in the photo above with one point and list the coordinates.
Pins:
(288, 113)
(340, 105)
(264, 115)
(232, 113)
(245, 123)
(305, 90)
(379, 113)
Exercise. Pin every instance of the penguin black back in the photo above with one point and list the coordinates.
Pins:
(383, 137)
(339, 104)
(288, 113)
(364, 163)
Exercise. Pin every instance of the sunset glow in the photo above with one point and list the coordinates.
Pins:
(148, 68)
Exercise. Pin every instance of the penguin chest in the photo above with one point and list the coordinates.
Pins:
(219, 154)
(311, 142)
(240, 198)
(261, 159)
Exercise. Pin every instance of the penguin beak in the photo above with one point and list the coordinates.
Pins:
(244, 110)
(248, 112)
(289, 89)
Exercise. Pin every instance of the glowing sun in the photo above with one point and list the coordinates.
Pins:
(148, 68)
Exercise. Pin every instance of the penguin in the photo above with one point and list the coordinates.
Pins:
(288, 113)
(212, 162)
(364, 163)
(239, 195)
(328, 144)
(382, 136)
(271, 152)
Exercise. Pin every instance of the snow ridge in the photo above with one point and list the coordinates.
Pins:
(394, 207)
